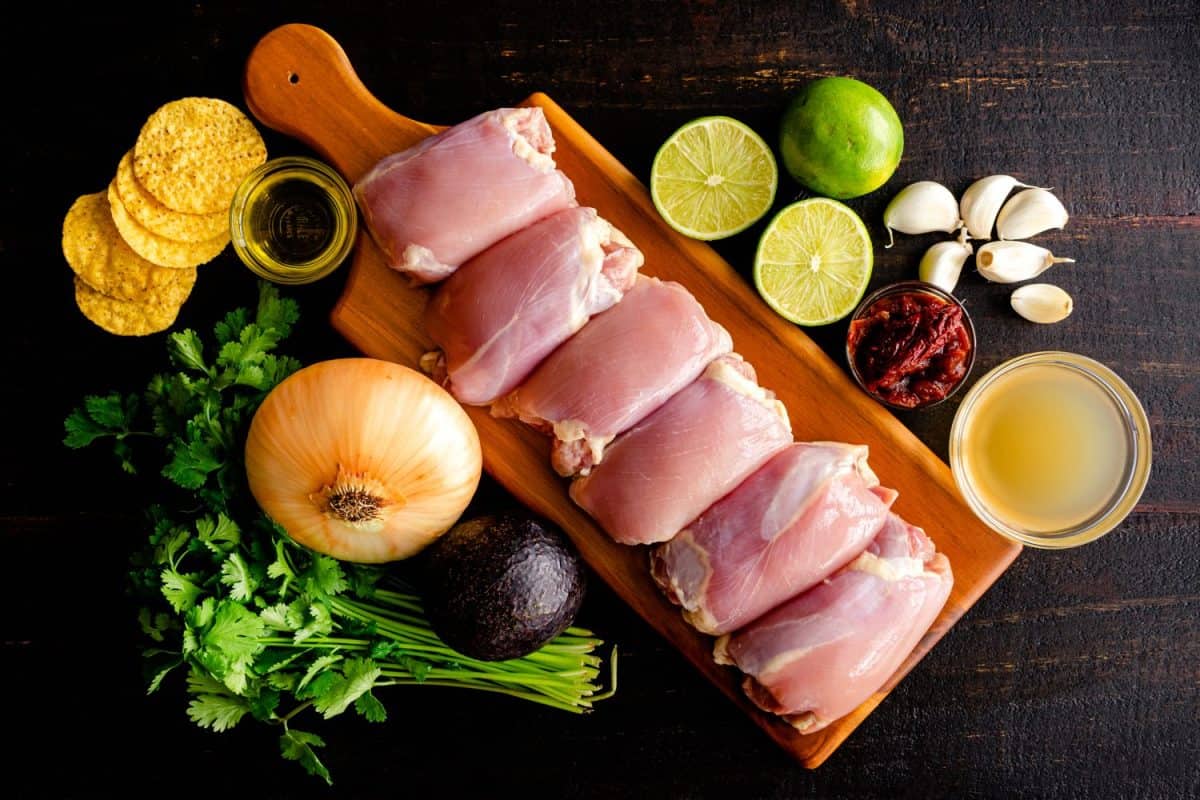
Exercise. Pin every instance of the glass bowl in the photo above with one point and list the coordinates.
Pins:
(900, 288)
(1079, 423)
(293, 220)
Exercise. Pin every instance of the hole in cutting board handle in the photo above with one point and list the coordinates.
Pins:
(293, 78)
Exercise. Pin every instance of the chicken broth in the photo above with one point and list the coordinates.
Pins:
(1046, 448)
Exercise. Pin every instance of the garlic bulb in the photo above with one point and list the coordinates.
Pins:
(942, 264)
(1029, 213)
(922, 207)
(981, 203)
(1012, 262)
(1042, 302)
(361, 459)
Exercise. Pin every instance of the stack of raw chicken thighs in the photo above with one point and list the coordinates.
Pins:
(787, 551)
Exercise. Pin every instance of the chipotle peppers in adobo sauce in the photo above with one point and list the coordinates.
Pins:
(910, 345)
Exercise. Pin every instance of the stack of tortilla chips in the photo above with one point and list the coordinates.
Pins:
(135, 247)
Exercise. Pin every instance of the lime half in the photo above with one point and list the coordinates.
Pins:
(713, 177)
(814, 261)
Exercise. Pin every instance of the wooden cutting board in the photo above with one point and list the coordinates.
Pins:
(299, 81)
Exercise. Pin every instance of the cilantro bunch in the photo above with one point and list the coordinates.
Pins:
(261, 627)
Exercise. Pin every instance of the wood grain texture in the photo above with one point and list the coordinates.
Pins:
(297, 67)
(1074, 677)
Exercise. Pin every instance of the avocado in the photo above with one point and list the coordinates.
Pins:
(501, 586)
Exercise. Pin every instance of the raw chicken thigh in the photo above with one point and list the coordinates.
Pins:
(435, 205)
(505, 310)
(817, 657)
(661, 474)
(804, 514)
(621, 366)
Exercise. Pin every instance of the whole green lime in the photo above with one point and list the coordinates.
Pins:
(841, 138)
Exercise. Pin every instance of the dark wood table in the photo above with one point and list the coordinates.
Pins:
(1075, 676)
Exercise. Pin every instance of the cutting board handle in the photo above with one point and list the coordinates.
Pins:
(299, 81)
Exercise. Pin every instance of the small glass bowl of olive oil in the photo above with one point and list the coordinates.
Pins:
(1051, 449)
(293, 220)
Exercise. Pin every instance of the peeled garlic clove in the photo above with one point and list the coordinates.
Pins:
(1042, 302)
(942, 264)
(1029, 213)
(1012, 262)
(981, 203)
(922, 207)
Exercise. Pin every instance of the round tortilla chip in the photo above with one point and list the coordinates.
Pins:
(96, 253)
(192, 153)
(125, 317)
(157, 249)
(157, 218)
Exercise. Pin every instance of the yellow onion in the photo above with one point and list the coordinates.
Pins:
(361, 459)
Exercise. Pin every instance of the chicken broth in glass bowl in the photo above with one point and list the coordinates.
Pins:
(1051, 449)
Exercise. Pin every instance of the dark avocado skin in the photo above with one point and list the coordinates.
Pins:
(501, 586)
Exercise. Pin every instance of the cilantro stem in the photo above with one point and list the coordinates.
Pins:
(286, 718)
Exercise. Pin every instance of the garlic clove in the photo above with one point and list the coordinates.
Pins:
(942, 264)
(1029, 213)
(981, 203)
(1012, 262)
(922, 207)
(1043, 303)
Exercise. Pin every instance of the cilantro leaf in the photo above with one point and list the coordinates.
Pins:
(320, 624)
(234, 630)
(298, 746)
(212, 705)
(279, 617)
(369, 707)
(123, 452)
(264, 704)
(235, 573)
(227, 329)
(82, 430)
(318, 665)
(252, 345)
(324, 577)
(159, 664)
(358, 676)
(167, 550)
(112, 411)
(110, 415)
(274, 312)
(251, 375)
(228, 646)
(219, 536)
(273, 659)
(201, 615)
(318, 686)
(191, 461)
(217, 711)
(155, 625)
(180, 589)
(185, 349)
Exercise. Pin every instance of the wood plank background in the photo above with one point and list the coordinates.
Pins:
(1076, 676)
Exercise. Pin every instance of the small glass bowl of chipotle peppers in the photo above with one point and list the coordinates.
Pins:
(910, 345)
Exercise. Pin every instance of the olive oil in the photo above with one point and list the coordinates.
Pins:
(293, 220)
(1046, 448)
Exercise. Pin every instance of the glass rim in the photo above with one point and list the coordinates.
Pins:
(1138, 459)
(900, 287)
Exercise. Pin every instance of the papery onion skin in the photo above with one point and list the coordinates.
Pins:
(356, 435)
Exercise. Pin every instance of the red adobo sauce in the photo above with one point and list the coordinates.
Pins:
(910, 349)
